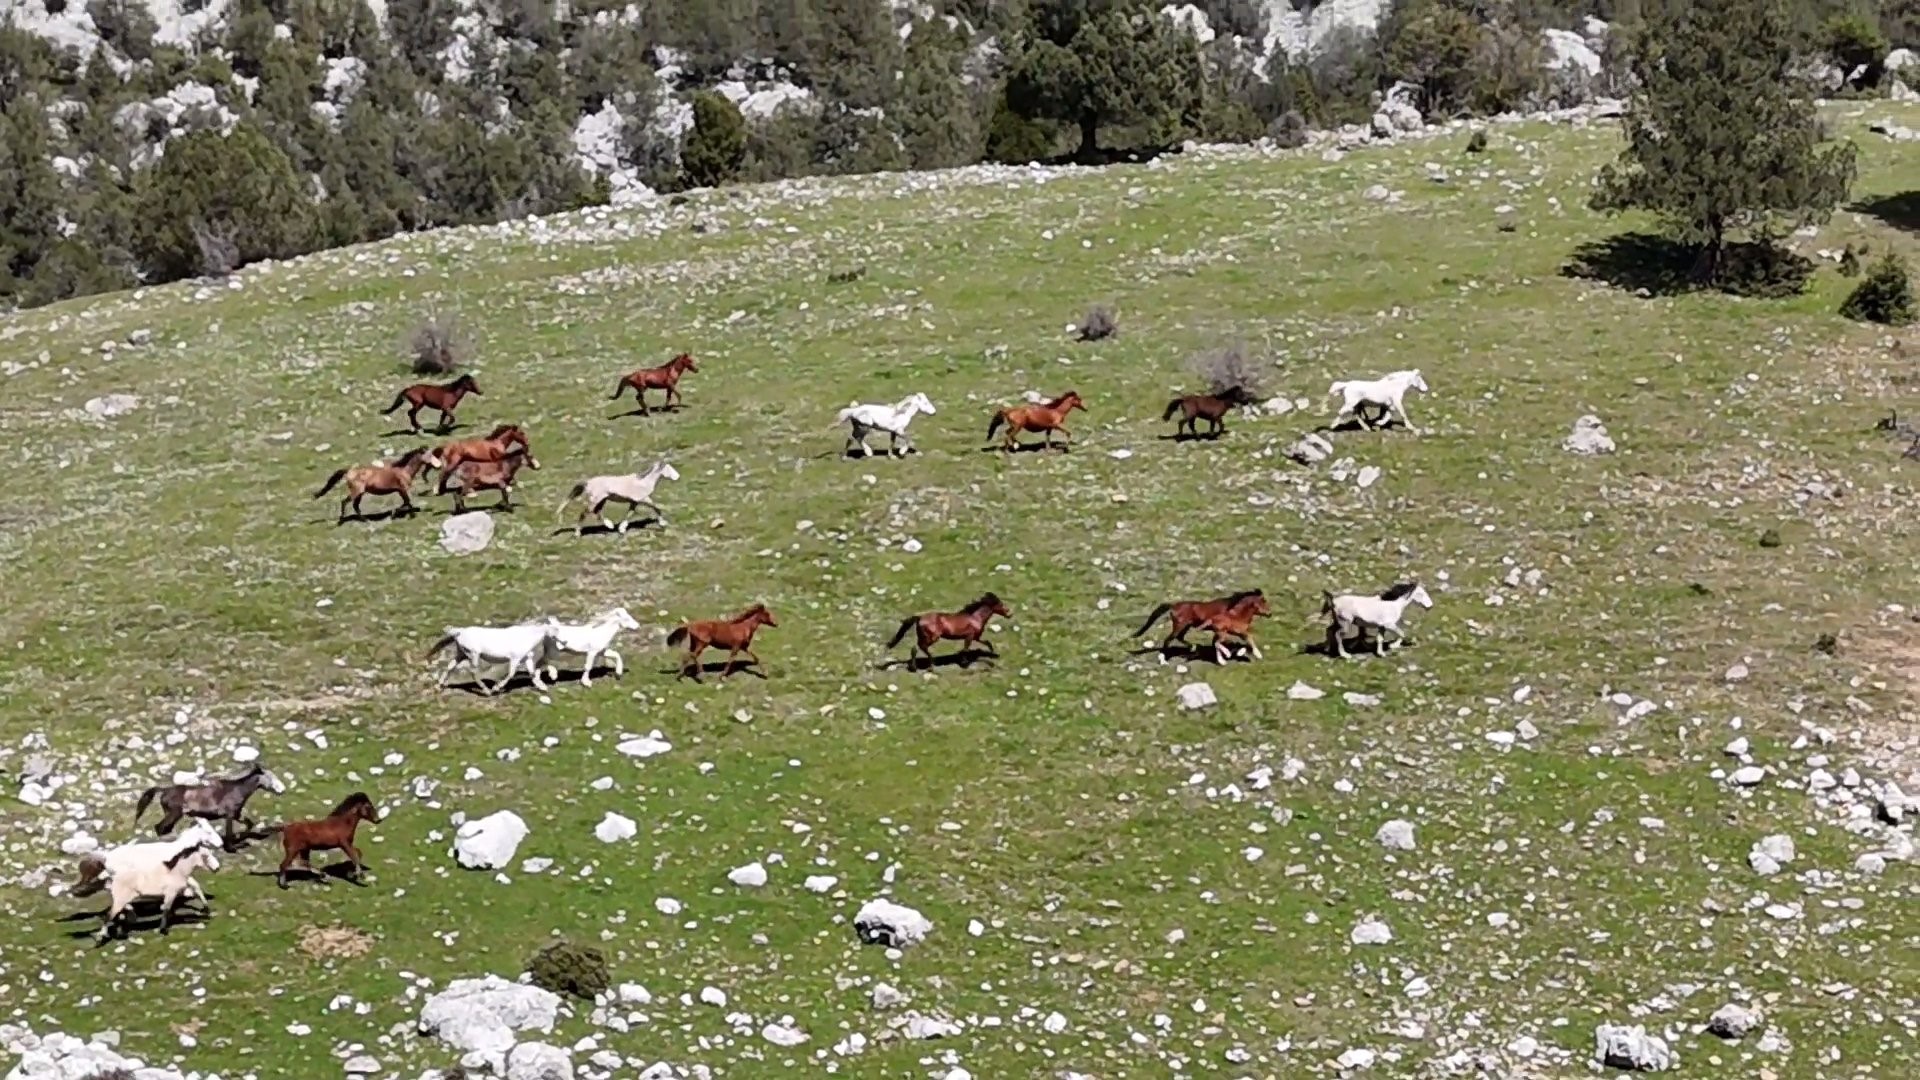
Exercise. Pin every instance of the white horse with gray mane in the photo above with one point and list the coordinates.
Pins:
(892, 419)
(592, 639)
(1381, 614)
(157, 868)
(521, 646)
(1389, 392)
(632, 489)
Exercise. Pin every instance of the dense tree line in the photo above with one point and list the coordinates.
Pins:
(330, 128)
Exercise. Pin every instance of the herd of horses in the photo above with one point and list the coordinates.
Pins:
(164, 868)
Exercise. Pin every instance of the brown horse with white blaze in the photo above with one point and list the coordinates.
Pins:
(445, 399)
(1045, 418)
(735, 635)
(665, 377)
(395, 477)
(967, 626)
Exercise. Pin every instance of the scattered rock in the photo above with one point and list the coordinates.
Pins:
(1371, 931)
(489, 842)
(1618, 1047)
(751, 876)
(539, 1061)
(1733, 1021)
(1310, 449)
(614, 828)
(885, 996)
(1589, 437)
(896, 926)
(1396, 835)
(1749, 775)
(1771, 853)
(110, 406)
(1300, 691)
(644, 746)
(483, 1015)
(464, 534)
(1196, 695)
(783, 1033)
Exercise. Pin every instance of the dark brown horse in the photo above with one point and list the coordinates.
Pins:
(1236, 622)
(1189, 614)
(1213, 408)
(222, 799)
(489, 447)
(665, 377)
(475, 476)
(1046, 418)
(735, 635)
(300, 839)
(429, 396)
(965, 626)
(395, 477)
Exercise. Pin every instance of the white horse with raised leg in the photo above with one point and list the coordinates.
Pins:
(632, 489)
(593, 639)
(520, 647)
(1388, 391)
(892, 419)
(158, 868)
(1381, 614)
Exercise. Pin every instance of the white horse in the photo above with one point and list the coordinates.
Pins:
(159, 868)
(1388, 391)
(892, 419)
(632, 489)
(592, 638)
(519, 646)
(1380, 613)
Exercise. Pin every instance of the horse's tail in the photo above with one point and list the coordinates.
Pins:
(679, 635)
(998, 419)
(442, 644)
(331, 480)
(1172, 407)
(146, 799)
(399, 399)
(93, 876)
(621, 388)
(900, 634)
(579, 489)
(1153, 617)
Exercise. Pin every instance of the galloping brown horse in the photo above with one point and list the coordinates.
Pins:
(429, 396)
(1236, 622)
(489, 447)
(300, 839)
(475, 476)
(665, 377)
(735, 635)
(1213, 408)
(1190, 614)
(393, 478)
(1047, 418)
(965, 626)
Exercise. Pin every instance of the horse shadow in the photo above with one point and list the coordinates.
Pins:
(1383, 421)
(853, 454)
(601, 530)
(1360, 646)
(1025, 448)
(1187, 652)
(371, 517)
(520, 681)
(1901, 211)
(1193, 436)
(326, 874)
(483, 508)
(425, 432)
(739, 667)
(140, 916)
(650, 410)
(964, 659)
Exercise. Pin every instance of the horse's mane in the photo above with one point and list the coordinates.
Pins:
(504, 429)
(358, 798)
(1237, 597)
(464, 380)
(987, 599)
(1057, 402)
(251, 770)
(1403, 589)
(749, 613)
(408, 457)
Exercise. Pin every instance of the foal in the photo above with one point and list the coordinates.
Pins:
(1212, 408)
(492, 446)
(486, 476)
(393, 478)
(429, 396)
(665, 377)
(300, 839)
(1236, 622)
(965, 626)
(735, 635)
(1046, 418)
(220, 799)
(1189, 614)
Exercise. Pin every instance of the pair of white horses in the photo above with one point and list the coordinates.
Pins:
(157, 868)
(530, 646)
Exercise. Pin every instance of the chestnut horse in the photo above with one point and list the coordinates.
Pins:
(1188, 614)
(393, 478)
(300, 839)
(1047, 418)
(1236, 622)
(1212, 408)
(428, 396)
(665, 377)
(965, 626)
(735, 635)
(475, 476)
(489, 447)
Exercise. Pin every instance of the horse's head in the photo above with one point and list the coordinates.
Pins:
(665, 471)
(623, 619)
(922, 403)
(1257, 605)
(508, 435)
(1419, 596)
(199, 834)
(760, 614)
(991, 602)
(467, 383)
(272, 782)
(1069, 401)
(524, 456)
(357, 806)
(1414, 380)
(684, 362)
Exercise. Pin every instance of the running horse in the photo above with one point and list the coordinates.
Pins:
(445, 399)
(965, 626)
(395, 477)
(665, 377)
(735, 635)
(1236, 622)
(497, 476)
(1189, 615)
(1212, 408)
(492, 446)
(222, 799)
(300, 839)
(1044, 417)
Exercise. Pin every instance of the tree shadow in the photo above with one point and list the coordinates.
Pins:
(1901, 211)
(965, 658)
(1656, 265)
(1102, 156)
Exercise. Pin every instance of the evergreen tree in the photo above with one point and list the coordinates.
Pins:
(126, 25)
(1094, 63)
(236, 188)
(1855, 45)
(717, 145)
(937, 126)
(1719, 134)
(30, 196)
(1434, 45)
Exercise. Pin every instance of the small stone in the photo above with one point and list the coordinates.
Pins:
(1396, 835)
(1371, 931)
(751, 876)
(1196, 695)
(465, 534)
(1733, 1021)
(1300, 691)
(1749, 775)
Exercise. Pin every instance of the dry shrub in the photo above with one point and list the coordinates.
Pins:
(847, 277)
(439, 346)
(1099, 324)
(1231, 370)
(566, 968)
(334, 942)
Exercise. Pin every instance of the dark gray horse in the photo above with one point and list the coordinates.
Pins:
(219, 799)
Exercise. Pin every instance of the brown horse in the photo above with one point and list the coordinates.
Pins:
(1189, 614)
(665, 377)
(1047, 418)
(1236, 622)
(429, 396)
(300, 839)
(489, 447)
(735, 635)
(396, 477)
(1213, 408)
(475, 476)
(965, 626)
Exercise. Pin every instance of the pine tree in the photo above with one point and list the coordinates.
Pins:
(1720, 136)
(935, 119)
(30, 196)
(237, 188)
(1433, 45)
(717, 145)
(1095, 63)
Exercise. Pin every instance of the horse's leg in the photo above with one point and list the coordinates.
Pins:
(460, 500)
(506, 496)
(694, 649)
(640, 392)
(166, 823)
(1248, 637)
(657, 512)
(619, 665)
(893, 443)
(727, 668)
(1401, 406)
(356, 867)
(586, 669)
(115, 905)
(167, 900)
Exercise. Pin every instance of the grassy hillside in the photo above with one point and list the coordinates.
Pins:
(173, 593)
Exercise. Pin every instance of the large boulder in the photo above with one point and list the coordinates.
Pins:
(484, 1015)
(488, 843)
(538, 1061)
(1620, 1047)
(896, 926)
(464, 534)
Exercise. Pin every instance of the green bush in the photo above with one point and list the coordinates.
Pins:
(1884, 296)
(217, 199)
(1013, 139)
(717, 145)
(566, 968)
(1289, 132)
(1477, 142)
